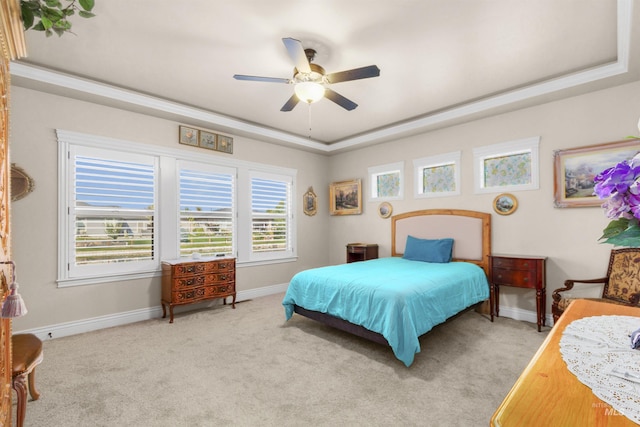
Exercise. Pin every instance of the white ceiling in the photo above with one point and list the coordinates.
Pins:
(441, 61)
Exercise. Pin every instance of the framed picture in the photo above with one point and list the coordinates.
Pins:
(224, 144)
(505, 204)
(207, 140)
(345, 197)
(508, 166)
(575, 168)
(385, 210)
(188, 136)
(309, 202)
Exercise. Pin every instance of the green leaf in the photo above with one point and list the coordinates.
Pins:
(86, 14)
(59, 31)
(53, 14)
(62, 25)
(38, 26)
(53, 3)
(87, 4)
(27, 16)
(46, 22)
(614, 228)
(622, 232)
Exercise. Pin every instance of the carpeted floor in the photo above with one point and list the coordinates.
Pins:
(248, 367)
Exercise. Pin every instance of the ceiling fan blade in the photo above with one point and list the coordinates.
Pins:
(355, 74)
(334, 96)
(261, 79)
(292, 102)
(297, 54)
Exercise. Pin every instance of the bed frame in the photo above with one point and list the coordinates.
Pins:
(471, 231)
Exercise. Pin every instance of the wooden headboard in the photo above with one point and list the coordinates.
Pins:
(470, 231)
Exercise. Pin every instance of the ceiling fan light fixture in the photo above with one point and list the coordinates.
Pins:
(309, 92)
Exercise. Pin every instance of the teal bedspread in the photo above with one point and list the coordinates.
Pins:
(398, 298)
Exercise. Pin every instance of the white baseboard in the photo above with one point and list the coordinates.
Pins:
(524, 315)
(95, 323)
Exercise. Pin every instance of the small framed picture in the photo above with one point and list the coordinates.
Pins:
(188, 136)
(309, 202)
(225, 144)
(505, 204)
(207, 140)
(385, 210)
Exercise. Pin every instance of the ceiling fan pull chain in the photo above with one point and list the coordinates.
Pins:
(309, 105)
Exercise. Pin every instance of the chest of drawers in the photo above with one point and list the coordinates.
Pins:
(190, 281)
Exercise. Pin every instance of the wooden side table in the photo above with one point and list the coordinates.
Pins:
(361, 252)
(520, 272)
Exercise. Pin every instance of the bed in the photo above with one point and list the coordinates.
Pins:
(395, 300)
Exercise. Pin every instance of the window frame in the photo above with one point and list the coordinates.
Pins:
(502, 150)
(446, 159)
(290, 249)
(167, 210)
(387, 169)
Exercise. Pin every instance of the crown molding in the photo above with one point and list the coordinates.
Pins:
(161, 106)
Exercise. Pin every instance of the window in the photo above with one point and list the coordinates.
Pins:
(386, 182)
(111, 214)
(125, 208)
(207, 210)
(508, 166)
(437, 176)
(271, 215)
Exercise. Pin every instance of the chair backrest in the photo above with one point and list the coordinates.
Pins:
(624, 276)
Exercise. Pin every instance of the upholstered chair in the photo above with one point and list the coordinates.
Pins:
(621, 284)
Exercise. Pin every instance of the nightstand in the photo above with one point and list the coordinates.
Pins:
(520, 272)
(361, 251)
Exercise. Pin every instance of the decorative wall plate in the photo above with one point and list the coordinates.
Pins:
(385, 210)
(505, 204)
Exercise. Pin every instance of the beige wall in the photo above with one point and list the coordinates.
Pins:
(34, 118)
(567, 236)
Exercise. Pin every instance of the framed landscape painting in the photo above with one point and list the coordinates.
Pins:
(575, 168)
(345, 197)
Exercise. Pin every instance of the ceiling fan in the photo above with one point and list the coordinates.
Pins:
(310, 80)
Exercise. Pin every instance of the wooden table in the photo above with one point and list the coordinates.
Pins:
(547, 394)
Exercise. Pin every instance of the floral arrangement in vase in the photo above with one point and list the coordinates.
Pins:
(619, 187)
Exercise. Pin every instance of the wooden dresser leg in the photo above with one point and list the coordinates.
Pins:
(20, 386)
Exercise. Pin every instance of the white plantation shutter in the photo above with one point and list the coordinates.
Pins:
(111, 212)
(271, 216)
(123, 207)
(207, 210)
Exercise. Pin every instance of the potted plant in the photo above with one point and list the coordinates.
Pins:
(52, 16)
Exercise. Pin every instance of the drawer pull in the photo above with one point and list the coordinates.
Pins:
(499, 276)
(526, 279)
(526, 264)
(223, 277)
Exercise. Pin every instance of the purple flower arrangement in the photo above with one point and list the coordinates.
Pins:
(619, 187)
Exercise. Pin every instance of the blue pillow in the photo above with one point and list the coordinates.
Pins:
(438, 250)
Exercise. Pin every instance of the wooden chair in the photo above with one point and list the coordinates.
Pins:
(26, 355)
(621, 284)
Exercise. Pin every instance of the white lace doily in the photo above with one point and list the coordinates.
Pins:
(598, 351)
